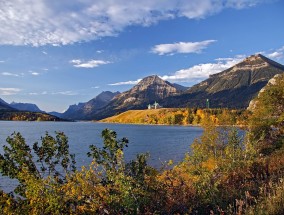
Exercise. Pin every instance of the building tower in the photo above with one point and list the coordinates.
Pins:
(207, 103)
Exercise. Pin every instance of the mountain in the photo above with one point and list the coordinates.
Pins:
(4, 105)
(26, 107)
(180, 87)
(84, 111)
(54, 113)
(147, 91)
(232, 88)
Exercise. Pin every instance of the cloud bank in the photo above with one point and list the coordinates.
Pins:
(42, 22)
(181, 47)
(126, 83)
(9, 91)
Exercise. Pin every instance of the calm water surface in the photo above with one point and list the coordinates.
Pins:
(162, 142)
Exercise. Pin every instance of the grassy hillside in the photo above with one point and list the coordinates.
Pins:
(140, 116)
(179, 116)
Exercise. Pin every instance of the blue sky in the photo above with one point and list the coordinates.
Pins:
(56, 53)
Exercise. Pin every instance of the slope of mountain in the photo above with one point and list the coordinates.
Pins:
(4, 105)
(25, 107)
(84, 111)
(148, 90)
(180, 87)
(232, 88)
(54, 113)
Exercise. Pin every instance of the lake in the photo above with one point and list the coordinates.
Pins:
(162, 142)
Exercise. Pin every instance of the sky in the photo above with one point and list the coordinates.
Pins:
(58, 53)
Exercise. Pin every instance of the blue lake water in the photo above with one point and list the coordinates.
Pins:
(162, 142)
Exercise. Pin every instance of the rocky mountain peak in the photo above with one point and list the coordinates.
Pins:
(153, 79)
(155, 84)
(256, 61)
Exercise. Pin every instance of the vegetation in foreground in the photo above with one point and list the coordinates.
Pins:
(223, 174)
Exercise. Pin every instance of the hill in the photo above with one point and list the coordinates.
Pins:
(4, 105)
(25, 107)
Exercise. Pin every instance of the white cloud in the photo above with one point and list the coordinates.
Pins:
(9, 91)
(10, 74)
(34, 73)
(88, 64)
(126, 83)
(202, 71)
(95, 87)
(181, 47)
(75, 61)
(277, 54)
(65, 93)
(2, 61)
(41, 22)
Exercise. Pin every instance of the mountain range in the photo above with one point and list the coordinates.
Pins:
(232, 88)
(86, 111)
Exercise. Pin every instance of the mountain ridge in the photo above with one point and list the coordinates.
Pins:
(85, 110)
(26, 107)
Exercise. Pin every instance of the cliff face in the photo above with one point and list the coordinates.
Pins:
(233, 88)
(272, 81)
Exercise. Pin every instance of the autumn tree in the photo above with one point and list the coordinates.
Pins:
(267, 120)
(50, 158)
